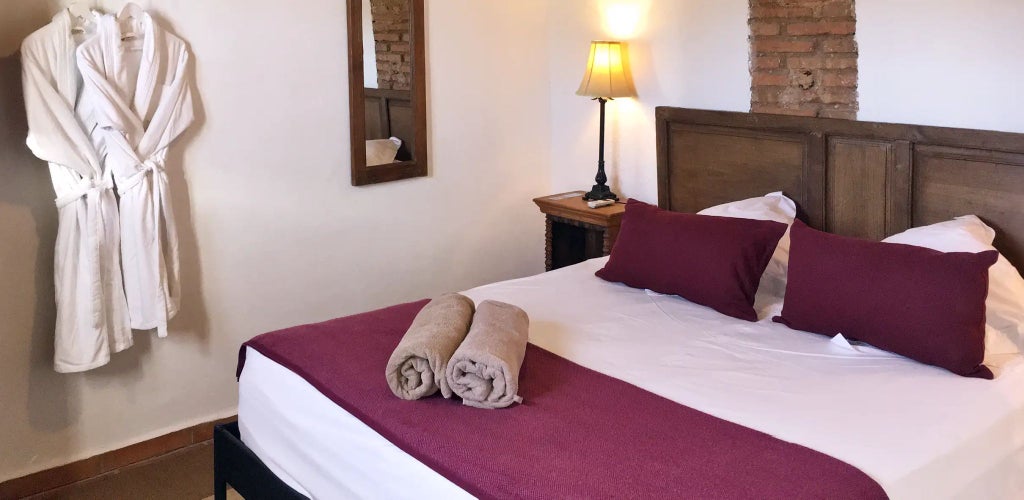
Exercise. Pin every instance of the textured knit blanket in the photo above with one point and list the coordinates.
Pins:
(578, 433)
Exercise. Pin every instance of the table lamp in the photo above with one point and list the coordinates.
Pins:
(607, 77)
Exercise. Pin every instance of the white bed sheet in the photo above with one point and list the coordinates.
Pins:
(919, 431)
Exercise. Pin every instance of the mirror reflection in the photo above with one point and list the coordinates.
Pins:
(388, 81)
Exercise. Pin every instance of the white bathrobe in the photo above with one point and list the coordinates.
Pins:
(143, 102)
(92, 314)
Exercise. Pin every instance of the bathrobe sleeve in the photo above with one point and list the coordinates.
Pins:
(54, 131)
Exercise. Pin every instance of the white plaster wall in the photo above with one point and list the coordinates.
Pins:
(272, 232)
(689, 53)
(942, 62)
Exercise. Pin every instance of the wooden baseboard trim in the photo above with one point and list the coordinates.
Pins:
(103, 463)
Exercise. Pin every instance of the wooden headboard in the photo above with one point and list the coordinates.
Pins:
(862, 179)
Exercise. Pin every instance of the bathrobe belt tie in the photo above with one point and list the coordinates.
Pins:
(145, 167)
(91, 189)
(156, 167)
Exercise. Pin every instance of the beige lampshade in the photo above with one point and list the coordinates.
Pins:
(607, 71)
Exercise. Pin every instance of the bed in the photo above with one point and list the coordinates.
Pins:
(916, 430)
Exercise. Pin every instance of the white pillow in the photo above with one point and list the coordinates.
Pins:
(772, 206)
(775, 207)
(1004, 307)
(382, 151)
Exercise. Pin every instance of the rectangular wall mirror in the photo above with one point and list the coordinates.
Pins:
(387, 90)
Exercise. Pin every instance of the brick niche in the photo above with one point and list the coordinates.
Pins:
(803, 58)
(392, 22)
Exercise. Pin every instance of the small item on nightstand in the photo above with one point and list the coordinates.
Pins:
(600, 203)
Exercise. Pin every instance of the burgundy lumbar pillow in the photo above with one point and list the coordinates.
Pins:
(709, 260)
(920, 303)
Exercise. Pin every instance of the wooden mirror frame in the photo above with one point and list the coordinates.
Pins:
(417, 167)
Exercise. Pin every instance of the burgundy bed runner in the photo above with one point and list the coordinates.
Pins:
(579, 433)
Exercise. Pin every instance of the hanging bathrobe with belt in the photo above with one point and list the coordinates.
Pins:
(92, 314)
(136, 75)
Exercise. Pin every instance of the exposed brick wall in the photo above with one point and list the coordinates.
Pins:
(803, 57)
(392, 21)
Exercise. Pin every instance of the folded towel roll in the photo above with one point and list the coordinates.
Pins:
(484, 371)
(417, 366)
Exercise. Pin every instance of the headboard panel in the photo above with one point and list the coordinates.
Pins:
(389, 114)
(862, 179)
(712, 165)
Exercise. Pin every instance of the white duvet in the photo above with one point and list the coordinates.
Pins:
(919, 431)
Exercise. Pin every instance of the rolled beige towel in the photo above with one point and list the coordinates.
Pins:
(484, 371)
(417, 366)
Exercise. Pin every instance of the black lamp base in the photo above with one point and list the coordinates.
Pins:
(600, 192)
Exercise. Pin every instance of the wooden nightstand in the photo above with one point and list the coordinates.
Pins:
(576, 232)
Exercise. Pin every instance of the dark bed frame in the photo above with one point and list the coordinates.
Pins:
(235, 464)
(861, 179)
